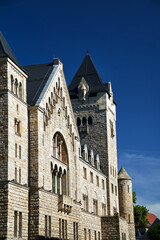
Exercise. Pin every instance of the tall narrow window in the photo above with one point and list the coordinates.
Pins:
(85, 202)
(15, 149)
(78, 121)
(45, 225)
(74, 230)
(77, 231)
(20, 224)
(16, 86)
(62, 229)
(103, 209)
(19, 175)
(15, 223)
(91, 177)
(49, 226)
(90, 120)
(15, 174)
(112, 129)
(112, 188)
(85, 234)
(60, 232)
(102, 184)
(20, 90)
(116, 190)
(19, 152)
(95, 235)
(129, 218)
(97, 179)
(89, 234)
(65, 229)
(17, 127)
(84, 173)
(98, 235)
(12, 83)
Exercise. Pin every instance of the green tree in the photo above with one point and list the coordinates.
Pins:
(134, 198)
(154, 233)
(140, 215)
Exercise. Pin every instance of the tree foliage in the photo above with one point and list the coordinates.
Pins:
(154, 232)
(134, 198)
(140, 215)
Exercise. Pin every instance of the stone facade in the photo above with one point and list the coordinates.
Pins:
(52, 184)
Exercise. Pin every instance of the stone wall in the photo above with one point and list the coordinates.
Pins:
(17, 201)
(98, 137)
(110, 228)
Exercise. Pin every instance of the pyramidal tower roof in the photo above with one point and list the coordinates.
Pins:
(123, 174)
(5, 50)
(91, 76)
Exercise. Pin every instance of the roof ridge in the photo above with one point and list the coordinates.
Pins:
(37, 64)
(6, 51)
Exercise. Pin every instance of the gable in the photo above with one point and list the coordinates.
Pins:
(49, 91)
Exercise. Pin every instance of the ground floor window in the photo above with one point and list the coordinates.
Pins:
(75, 230)
(47, 226)
(62, 229)
(95, 235)
(17, 227)
(98, 235)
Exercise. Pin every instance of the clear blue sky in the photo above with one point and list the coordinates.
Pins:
(123, 38)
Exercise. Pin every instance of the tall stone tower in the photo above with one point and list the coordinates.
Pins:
(126, 200)
(13, 144)
(95, 113)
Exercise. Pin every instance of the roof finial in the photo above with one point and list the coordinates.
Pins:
(87, 52)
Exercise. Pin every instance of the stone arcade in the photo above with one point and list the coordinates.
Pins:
(58, 155)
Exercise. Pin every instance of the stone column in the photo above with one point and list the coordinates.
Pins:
(56, 174)
(60, 184)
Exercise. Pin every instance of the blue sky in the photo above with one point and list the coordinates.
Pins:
(123, 38)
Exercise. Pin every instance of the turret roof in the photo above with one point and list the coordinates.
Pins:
(91, 76)
(123, 174)
(5, 50)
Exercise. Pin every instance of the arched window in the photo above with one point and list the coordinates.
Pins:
(78, 121)
(90, 120)
(12, 83)
(20, 90)
(61, 93)
(85, 198)
(60, 173)
(16, 86)
(68, 121)
(60, 148)
(84, 121)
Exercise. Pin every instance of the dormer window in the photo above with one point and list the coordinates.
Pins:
(83, 89)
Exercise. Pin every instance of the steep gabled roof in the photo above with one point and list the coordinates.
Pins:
(38, 75)
(91, 76)
(123, 174)
(5, 50)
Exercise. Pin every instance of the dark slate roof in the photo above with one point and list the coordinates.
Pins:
(90, 74)
(5, 50)
(37, 77)
(123, 174)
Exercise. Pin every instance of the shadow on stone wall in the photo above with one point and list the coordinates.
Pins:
(46, 238)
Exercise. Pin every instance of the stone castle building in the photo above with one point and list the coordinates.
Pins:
(58, 157)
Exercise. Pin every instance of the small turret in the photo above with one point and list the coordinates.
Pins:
(85, 152)
(91, 158)
(97, 162)
(126, 199)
